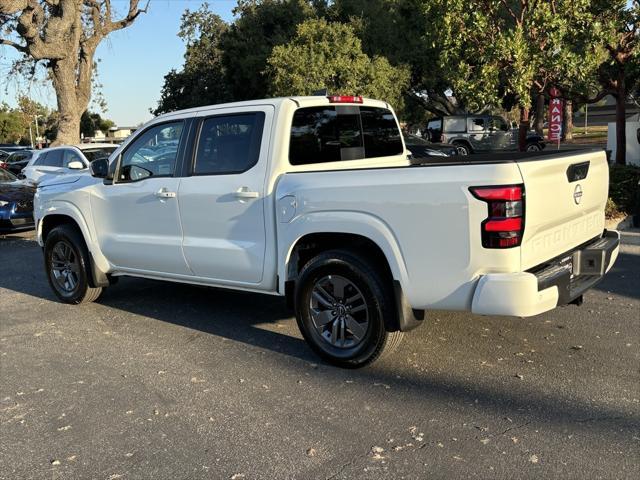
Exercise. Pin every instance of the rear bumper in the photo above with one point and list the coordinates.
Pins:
(555, 283)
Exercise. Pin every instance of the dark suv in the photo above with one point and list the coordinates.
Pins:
(478, 133)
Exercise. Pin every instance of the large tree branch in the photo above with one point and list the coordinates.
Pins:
(133, 13)
(17, 46)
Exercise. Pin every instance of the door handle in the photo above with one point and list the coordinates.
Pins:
(244, 193)
(164, 193)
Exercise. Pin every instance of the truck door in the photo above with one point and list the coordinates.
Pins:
(136, 217)
(222, 198)
(477, 133)
(500, 135)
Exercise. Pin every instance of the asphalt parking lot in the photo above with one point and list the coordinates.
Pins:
(168, 381)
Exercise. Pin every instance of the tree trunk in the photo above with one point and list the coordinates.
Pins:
(540, 114)
(71, 105)
(524, 128)
(621, 117)
(567, 120)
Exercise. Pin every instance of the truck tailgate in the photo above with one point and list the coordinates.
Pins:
(565, 202)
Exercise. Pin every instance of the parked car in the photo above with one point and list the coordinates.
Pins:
(315, 199)
(18, 160)
(3, 158)
(16, 203)
(420, 148)
(64, 160)
(479, 133)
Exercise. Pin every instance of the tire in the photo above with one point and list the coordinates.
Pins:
(533, 147)
(341, 303)
(463, 148)
(66, 260)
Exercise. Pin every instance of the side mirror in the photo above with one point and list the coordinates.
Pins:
(99, 168)
(75, 165)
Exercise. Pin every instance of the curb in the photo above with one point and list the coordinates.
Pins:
(620, 223)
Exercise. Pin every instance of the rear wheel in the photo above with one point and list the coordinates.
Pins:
(66, 260)
(341, 306)
(462, 148)
(533, 147)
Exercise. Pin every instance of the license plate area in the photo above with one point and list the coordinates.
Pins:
(589, 262)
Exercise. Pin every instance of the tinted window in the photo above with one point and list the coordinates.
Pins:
(331, 134)
(18, 157)
(40, 159)
(229, 144)
(153, 153)
(71, 156)
(381, 134)
(95, 153)
(476, 124)
(53, 159)
(6, 176)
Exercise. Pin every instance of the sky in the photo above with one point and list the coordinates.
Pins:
(133, 61)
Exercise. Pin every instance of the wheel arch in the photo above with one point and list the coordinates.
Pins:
(67, 216)
(349, 231)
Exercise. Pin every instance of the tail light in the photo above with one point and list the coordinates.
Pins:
(345, 99)
(504, 226)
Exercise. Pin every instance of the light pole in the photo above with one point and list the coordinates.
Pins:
(37, 132)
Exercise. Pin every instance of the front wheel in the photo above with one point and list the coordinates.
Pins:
(66, 261)
(341, 306)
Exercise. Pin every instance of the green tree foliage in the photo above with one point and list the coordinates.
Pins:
(260, 26)
(329, 55)
(406, 32)
(202, 80)
(90, 123)
(13, 125)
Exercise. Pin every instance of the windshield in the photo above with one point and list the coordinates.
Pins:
(95, 153)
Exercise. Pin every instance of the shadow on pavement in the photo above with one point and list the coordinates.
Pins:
(237, 316)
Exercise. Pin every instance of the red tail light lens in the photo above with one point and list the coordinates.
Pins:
(345, 99)
(504, 226)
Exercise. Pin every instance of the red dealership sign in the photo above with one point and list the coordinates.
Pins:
(555, 115)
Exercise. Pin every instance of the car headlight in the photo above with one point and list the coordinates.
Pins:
(3, 203)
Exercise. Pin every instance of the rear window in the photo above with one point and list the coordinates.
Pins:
(336, 133)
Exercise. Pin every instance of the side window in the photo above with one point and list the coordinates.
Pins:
(40, 159)
(454, 125)
(325, 134)
(475, 124)
(381, 133)
(16, 157)
(152, 154)
(53, 159)
(498, 123)
(70, 156)
(229, 143)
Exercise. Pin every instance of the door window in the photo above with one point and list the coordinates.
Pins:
(229, 144)
(152, 154)
(475, 124)
(71, 156)
(498, 123)
(53, 159)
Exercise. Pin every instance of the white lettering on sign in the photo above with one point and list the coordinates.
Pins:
(555, 115)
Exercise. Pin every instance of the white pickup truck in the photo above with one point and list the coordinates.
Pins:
(317, 199)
